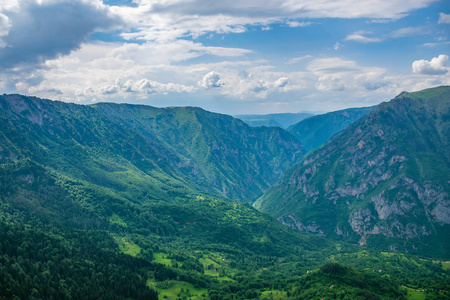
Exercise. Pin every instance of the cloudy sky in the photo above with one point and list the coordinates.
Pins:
(226, 56)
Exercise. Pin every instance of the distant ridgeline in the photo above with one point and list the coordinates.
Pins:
(316, 130)
(383, 182)
(283, 120)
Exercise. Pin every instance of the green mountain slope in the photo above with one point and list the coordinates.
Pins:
(382, 182)
(162, 152)
(218, 151)
(96, 207)
(316, 130)
(283, 120)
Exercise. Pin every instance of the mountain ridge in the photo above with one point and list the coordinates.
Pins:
(316, 130)
(283, 120)
(383, 181)
(185, 146)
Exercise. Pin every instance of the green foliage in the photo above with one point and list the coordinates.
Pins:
(120, 202)
(334, 281)
(232, 158)
(383, 182)
(45, 263)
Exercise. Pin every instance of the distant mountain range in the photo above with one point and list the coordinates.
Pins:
(283, 120)
(315, 130)
(384, 181)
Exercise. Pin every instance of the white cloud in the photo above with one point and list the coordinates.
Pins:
(168, 20)
(281, 82)
(211, 80)
(359, 36)
(298, 24)
(297, 59)
(381, 21)
(151, 87)
(108, 89)
(336, 74)
(337, 46)
(436, 66)
(367, 37)
(436, 44)
(444, 18)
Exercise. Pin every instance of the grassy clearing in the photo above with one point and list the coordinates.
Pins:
(174, 289)
(127, 246)
(275, 294)
(445, 265)
(217, 261)
(412, 294)
(216, 274)
(161, 258)
(117, 220)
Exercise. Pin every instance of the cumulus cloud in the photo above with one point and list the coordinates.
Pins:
(36, 30)
(211, 80)
(336, 74)
(108, 89)
(281, 82)
(436, 66)
(142, 86)
(444, 18)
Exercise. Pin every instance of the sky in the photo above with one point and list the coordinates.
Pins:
(228, 56)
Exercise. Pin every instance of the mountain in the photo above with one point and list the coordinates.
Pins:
(255, 122)
(96, 207)
(101, 202)
(316, 130)
(283, 120)
(383, 182)
(177, 150)
(224, 153)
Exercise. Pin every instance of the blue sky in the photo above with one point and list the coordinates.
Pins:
(226, 56)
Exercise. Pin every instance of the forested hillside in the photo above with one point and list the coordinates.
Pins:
(383, 182)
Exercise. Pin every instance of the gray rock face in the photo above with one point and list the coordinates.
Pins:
(293, 222)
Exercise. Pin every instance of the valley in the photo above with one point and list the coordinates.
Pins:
(121, 201)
